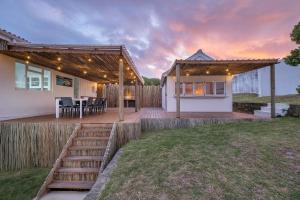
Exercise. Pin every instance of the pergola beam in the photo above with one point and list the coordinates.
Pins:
(272, 84)
(121, 90)
(177, 91)
(136, 96)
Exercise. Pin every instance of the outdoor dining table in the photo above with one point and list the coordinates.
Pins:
(80, 100)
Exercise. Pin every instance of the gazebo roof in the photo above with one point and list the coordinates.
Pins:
(202, 64)
(97, 63)
(199, 55)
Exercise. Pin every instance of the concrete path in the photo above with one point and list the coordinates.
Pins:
(64, 195)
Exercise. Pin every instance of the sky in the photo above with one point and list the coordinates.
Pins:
(159, 31)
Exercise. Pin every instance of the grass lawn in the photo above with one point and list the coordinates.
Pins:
(247, 160)
(253, 98)
(21, 185)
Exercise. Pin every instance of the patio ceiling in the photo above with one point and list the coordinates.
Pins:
(92, 62)
(218, 67)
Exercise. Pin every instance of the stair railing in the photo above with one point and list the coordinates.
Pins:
(111, 148)
(57, 163)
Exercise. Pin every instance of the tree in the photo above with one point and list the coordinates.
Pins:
(294, 57)
(151, 81)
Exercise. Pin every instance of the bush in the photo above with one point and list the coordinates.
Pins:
(298, 89)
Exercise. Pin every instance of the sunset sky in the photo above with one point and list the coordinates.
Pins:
(158, 32)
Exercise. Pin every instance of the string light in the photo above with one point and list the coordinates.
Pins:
(59, 68)
(207, 72)
(127, 68)
(105, 76)
(228, 73)
(28, 57)
(59, 58)
(187, 74)
(27, 62)
(227, 70)
(85, 72)
(90, 60)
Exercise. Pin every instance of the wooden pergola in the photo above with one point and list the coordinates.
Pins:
(220, 67)
(102, 64)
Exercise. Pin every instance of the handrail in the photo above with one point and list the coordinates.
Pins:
(57, 163)
(110, 148)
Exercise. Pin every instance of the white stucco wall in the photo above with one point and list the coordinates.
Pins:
(287, 78)
(200, 104)
(17, 103)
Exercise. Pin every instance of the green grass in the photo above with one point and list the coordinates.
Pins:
(21, 185)
(247, 160)
(253, 98)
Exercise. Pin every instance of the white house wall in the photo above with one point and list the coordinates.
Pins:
(17, 103)
(287, 79)
(200, 104)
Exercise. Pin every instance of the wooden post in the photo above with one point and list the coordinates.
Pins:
(121, 90)
(140, 95)
(177, 91)
(136, 92)
(272, 83)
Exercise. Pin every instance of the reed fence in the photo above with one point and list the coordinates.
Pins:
(150, 95)
(25, 145)
(151, 124)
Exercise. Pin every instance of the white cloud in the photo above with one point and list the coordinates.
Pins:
(154, 20)
(151, 66)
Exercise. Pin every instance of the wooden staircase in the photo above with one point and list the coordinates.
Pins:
(80, 164)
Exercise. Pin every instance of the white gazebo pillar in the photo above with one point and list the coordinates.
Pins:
(121, 90)
(272, 83)
(177, 91)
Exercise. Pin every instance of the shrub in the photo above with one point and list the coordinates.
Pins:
(298, 89)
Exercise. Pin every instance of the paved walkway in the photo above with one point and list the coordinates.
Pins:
(64, 195)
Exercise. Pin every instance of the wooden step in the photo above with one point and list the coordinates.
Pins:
(90, 141)
(87, 147)
(84, 151)
(71, 185)
(94, 133)
(83, 158)
(82, 161)
(78, 170)
(76, 174)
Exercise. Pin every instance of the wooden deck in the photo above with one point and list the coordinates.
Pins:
(131, 116)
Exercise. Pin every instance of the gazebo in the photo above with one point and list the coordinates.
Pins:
(203, 65)
(110, 64)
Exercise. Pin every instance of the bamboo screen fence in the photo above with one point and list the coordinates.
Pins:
(24, 145)
(150, 95)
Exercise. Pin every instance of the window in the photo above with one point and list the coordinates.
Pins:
(188, 88)
(20, 75)
(47, 80)
(32, 77)
(220, 88)
(209, 86)
(212, 88)
(199, 89)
